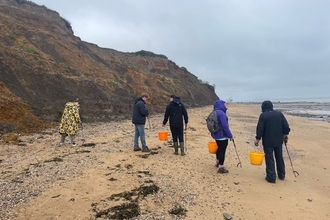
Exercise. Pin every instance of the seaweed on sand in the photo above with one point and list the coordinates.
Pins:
(126, 195)
(128, 209)
(178, 210)
(120, 212)
(55, 159)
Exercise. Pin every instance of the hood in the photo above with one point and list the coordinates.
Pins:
(267, 106)
(139, 99)
(220, 105)
(70, 105)
(176, 101)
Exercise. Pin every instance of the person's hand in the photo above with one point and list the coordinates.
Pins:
(163, 125)
(232, 139)
(256, 142)
(285, 139)
(185, 126)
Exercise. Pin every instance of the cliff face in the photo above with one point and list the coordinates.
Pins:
(44, 65)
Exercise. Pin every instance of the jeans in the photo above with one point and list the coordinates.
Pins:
(139, 132)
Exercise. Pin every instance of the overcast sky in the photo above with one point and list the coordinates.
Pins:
(250, 50)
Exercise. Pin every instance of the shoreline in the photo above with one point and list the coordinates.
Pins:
(312, 110)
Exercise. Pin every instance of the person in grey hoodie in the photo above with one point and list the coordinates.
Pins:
(140, 113)
(221, 136)
(177, 113)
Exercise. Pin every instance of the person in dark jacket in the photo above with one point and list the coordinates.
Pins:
(171, 99)
(177, 113)
(273, 129)
(140, 113)
(221, 136)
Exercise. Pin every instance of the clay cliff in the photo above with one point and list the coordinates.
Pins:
(43, 65)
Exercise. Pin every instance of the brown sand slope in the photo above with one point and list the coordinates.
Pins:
(81, 182)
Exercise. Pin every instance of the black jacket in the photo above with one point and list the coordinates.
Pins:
(175, 111)
(140, 112)
(272, 126)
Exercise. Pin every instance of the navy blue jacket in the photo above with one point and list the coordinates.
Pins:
(140, 112)
(272, 126)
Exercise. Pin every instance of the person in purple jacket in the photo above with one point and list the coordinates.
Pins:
(221, 136)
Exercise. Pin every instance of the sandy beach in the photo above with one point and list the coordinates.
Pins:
(106, 179)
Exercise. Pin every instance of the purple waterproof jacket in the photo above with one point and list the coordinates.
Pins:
(225, 132)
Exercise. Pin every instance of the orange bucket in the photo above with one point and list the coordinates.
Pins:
(213, 147)
(256, 158)
(162, 135)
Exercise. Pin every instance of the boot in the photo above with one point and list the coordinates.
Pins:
(176, 148)
(182, 148)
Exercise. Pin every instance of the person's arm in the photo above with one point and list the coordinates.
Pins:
(286, 128)
(222, 119)
(143, 110)
(76, 114)
(259, 130)
(185, 116)
(166, 115)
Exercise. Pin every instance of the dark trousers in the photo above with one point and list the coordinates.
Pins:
(221, 152)
(177, 133)
(270, 163)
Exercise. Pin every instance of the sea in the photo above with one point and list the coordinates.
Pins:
(314, 109)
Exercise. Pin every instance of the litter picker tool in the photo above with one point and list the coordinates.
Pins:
(185, 138)
(294, 172)
(239, 163)
(149, 123)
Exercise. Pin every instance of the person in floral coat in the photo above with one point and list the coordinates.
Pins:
(69, 122)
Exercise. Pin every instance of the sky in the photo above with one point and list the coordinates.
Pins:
(249, 50)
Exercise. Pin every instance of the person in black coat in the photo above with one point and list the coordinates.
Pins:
(273, 129)
(140, 113)
(176, 113)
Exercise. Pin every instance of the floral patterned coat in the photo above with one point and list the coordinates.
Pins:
(70, 119)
